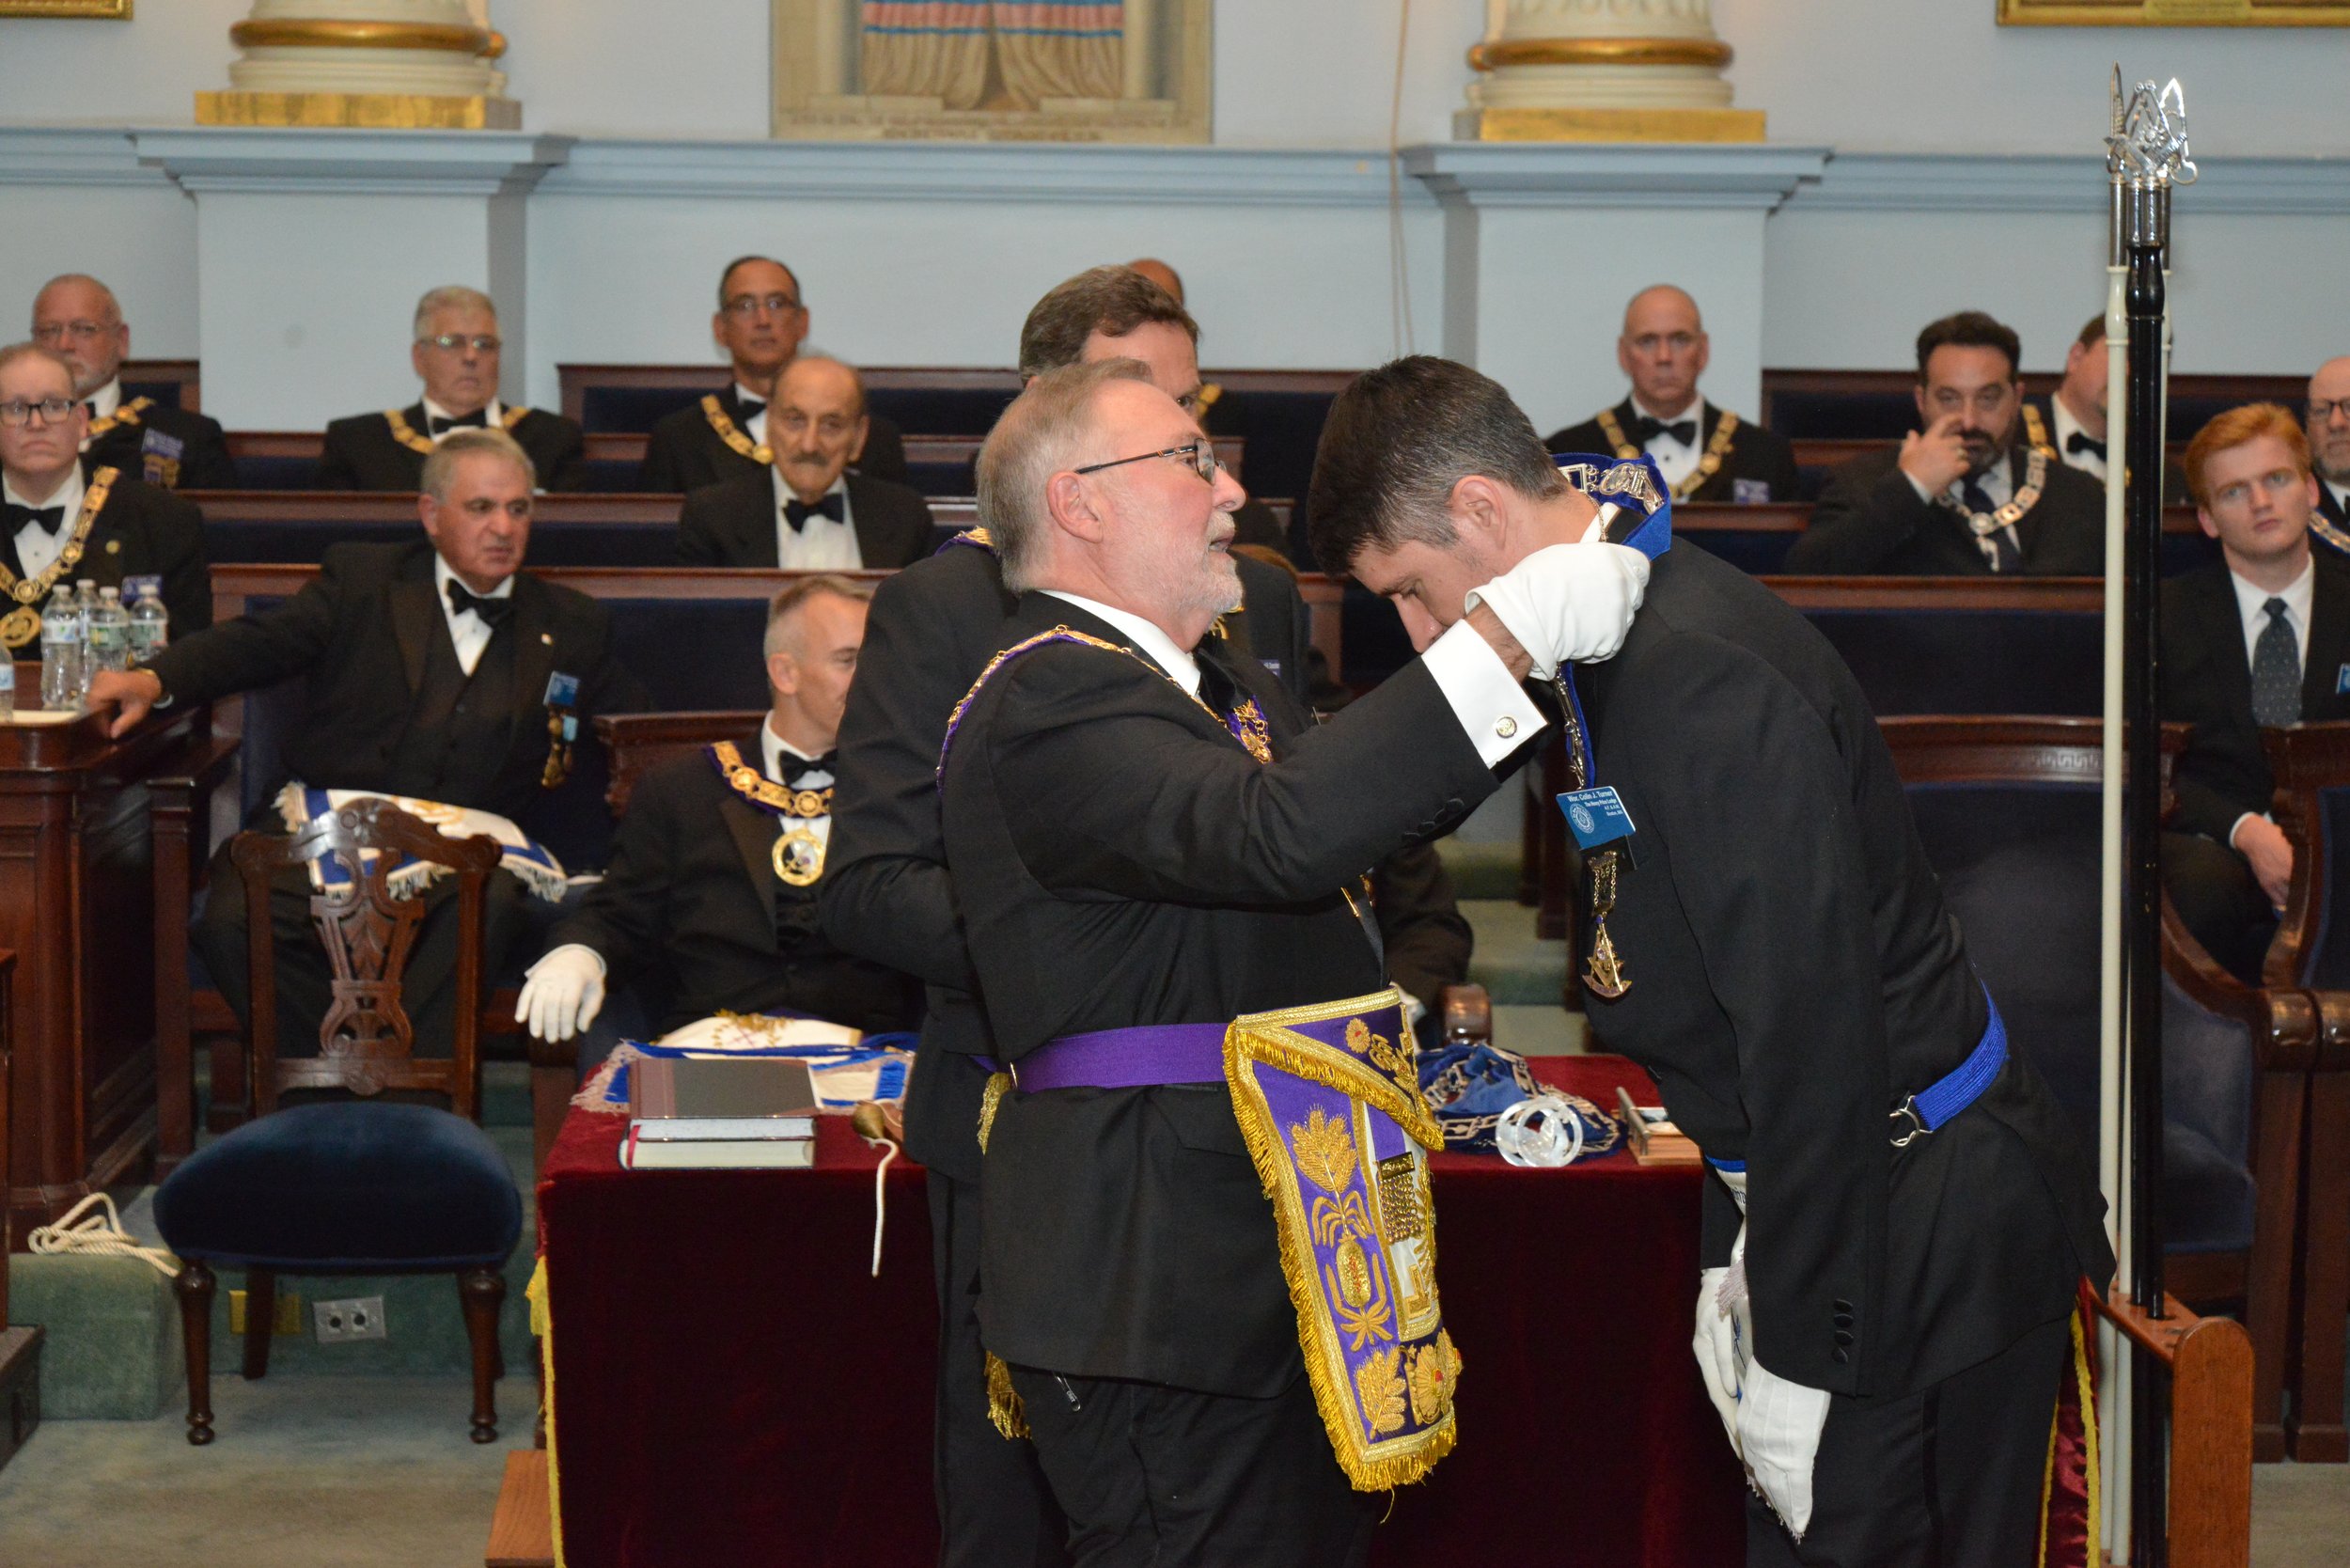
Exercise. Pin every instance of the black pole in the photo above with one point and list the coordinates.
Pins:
(2147, 235)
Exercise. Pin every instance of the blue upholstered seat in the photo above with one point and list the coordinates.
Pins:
(362, 1187)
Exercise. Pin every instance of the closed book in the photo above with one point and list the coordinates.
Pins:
(697, 1129)
(738, 1154)
(733, 1087)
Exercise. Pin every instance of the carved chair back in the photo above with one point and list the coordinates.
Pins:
(367, 1040)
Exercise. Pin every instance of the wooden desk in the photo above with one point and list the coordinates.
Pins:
(20, 1348)
(77, 903)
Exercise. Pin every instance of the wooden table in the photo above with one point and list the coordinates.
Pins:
(78, 905)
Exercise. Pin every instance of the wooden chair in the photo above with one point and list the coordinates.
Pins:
(356, 1187)
(20, 1348)
(2311, 766)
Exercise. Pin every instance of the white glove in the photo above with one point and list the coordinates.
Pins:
(1716, 1348)
(1779, 1436)
(1568, 602)
(562, 993)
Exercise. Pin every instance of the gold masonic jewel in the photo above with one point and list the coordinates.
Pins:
(799, 856)
(20, 626)
(1602, 972)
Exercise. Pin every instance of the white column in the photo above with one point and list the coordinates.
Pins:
(1604, 222)
(312, 248)
(1140, 53)
(1601, 58)
(363, 62)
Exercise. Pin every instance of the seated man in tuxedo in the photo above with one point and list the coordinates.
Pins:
(2329, 412)
(1705, 453)
(761, 322)
(1966, 496)
(808, 513)
(64, 517)
(2071, 421)
(2260, 638)
(438, 670)
(713, 886)
(78, 318)
(456, 357)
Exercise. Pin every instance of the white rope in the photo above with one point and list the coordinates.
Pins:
(881, 1211)
(100, 1235)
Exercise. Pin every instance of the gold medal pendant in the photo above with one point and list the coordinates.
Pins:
(20, 627)
(1601, 971)
(799, 856)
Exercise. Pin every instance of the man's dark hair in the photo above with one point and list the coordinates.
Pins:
(1397, 441)
(2093, 332)
(728, 271)
(1112, 300)
(1969, 329)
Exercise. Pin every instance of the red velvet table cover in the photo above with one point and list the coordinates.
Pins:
(730, 1387)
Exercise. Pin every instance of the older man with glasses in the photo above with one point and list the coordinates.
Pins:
(2328, 415)
(78, 319)
(455, 355)
(65, 518)
(760, 322)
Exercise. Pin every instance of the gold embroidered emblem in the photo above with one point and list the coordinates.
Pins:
(1434, 1368)
(737, 440)
(1709, 464)
(1326, 1151)
(22, 625)
(1381, 1390)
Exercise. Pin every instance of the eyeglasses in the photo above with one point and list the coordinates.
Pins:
(2321, 411)
(747, 305)
(1199, 456)
(479, 343)
(51, 410)
(53, 332)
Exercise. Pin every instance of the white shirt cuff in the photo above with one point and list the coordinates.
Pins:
(1492, 707)
(2237, 826)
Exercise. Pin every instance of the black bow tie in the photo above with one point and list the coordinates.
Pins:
(479, 419)
(796, 512)
(1645, 430)
(748, 408)
(2080, 441)
(14, 516)
(494, 612)
(797, 767)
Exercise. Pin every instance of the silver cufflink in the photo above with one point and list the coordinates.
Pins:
(1506, 726)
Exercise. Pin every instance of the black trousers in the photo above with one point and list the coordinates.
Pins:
(1950, 1477)
(2219, 902)
(1176, 1479)
(994, 1509)
(305, 976)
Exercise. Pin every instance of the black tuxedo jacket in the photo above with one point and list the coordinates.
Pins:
(165, 447)
(1870, 521)
(2207, 682)
(1755, 453)
(684, 454)
(1794, 974)
(885, 894)
(734, 523)
(1120, 860)
(361, 453)
(142, 531)
(702, 914)
(358, 636)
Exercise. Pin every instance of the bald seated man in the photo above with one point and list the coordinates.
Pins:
(1161, 273)
(77, 318)
(2329, 416)
(1706, 453)
(807, 512)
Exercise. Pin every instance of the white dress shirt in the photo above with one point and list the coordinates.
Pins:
(755, 426)
(772, 746)
(1675, 460)
(819, 543)
(2061, 426)
(1493, 709)
(468, 633)
(37, 548)
(494, 417)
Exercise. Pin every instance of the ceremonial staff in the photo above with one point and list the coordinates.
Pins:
(2145, 155)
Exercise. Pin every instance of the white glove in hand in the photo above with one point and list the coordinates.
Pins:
(1716, 1348)
(562, 993)
(1779, 1436)
(1568, 602)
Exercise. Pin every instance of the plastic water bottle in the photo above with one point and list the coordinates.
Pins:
(151, 623)
(61, 652)
(109, 634)
(7, 680)
(86, 601)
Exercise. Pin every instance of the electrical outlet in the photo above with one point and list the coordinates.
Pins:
(288, 1312)
(351, 1318)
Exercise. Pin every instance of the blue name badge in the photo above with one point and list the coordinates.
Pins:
(1596, 817)
(562, 690)
(2341, 680)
